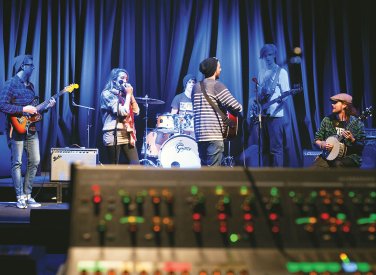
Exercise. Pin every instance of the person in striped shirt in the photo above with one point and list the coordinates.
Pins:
(208, 124)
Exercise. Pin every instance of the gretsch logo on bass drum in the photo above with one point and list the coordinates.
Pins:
(180, 147)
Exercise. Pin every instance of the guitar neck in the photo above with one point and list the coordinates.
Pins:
(42, 105)
(285, 94)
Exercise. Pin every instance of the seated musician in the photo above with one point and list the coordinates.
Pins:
(182, 102)
(349, 130)
(181, 107)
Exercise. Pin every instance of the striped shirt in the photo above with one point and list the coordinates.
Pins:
(208, 123)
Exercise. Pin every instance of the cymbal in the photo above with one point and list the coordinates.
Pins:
(148, 100)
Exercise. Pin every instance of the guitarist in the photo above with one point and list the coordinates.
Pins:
(343, 113)
(272, 82)
(208, 123)
(16, 98)
(118, 107)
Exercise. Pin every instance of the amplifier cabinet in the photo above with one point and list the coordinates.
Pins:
(62, 158)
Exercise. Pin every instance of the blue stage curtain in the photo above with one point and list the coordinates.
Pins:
(159, 41)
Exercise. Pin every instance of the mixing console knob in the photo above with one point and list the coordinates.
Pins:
(156, 201)
(101, 228)
(126, 200)
(140, 204)
(169, 199)
(97, 198)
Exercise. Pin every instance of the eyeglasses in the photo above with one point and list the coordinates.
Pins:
(31, 65)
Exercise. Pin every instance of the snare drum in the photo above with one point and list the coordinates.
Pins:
(179, 151)
(154, 141)
(165, 123)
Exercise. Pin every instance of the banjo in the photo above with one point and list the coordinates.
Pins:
(339, 149)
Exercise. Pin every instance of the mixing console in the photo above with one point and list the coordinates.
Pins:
(227, 220)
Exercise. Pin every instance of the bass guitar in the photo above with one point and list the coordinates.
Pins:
(21, 123)
(339, 148)
(257, 108)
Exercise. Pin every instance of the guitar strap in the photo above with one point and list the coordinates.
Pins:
(225, 119)
(276, 78)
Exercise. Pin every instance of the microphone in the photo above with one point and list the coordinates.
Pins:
(254, 79)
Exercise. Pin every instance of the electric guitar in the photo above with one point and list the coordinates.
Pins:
(21, 123)
(257, 108)
(231, 130)
(339, 149)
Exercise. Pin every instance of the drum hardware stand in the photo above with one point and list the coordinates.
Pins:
(87, 120)
(145, 161)
(228, 160)
(259, 122)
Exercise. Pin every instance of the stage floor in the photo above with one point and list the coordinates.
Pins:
(9, 213)
(44, 191)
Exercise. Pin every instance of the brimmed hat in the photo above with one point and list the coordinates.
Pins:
(208, 66)
(346, 98)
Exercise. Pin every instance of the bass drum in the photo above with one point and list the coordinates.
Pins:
(179, 151)
(154, 141)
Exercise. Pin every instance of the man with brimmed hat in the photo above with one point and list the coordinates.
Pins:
(208, 124)
(342, 122)
(17, 98)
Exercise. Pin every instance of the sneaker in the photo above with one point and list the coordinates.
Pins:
(21, 202)
(31, 202)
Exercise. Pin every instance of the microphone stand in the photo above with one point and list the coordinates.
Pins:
(145, 161)
(87, 120)
(259, 123)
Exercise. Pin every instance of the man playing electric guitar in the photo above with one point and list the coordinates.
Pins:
(273, 81)
(343, 124)
(15, 98)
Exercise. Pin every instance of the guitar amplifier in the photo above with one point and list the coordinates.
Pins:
(62, 158)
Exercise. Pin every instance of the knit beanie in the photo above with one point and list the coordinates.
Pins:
(208, 66)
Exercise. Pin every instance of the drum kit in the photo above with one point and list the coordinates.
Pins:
(172, 142)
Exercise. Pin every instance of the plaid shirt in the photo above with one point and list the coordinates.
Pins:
(15, 95)
(354, 150)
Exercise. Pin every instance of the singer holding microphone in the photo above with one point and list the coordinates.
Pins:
(272, 81)
(118, 107)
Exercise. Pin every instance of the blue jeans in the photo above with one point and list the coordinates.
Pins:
(272, 141)
(31, 146)
(211, 152)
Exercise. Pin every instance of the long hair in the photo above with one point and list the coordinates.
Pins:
(111, 83)
(350, 110)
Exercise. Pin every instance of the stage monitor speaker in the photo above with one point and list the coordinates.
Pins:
(369, 154)
(309, 156)
(62, 158)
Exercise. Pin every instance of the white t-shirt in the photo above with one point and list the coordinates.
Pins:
(266, 79)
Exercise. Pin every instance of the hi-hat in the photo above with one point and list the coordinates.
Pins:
(148, 100)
